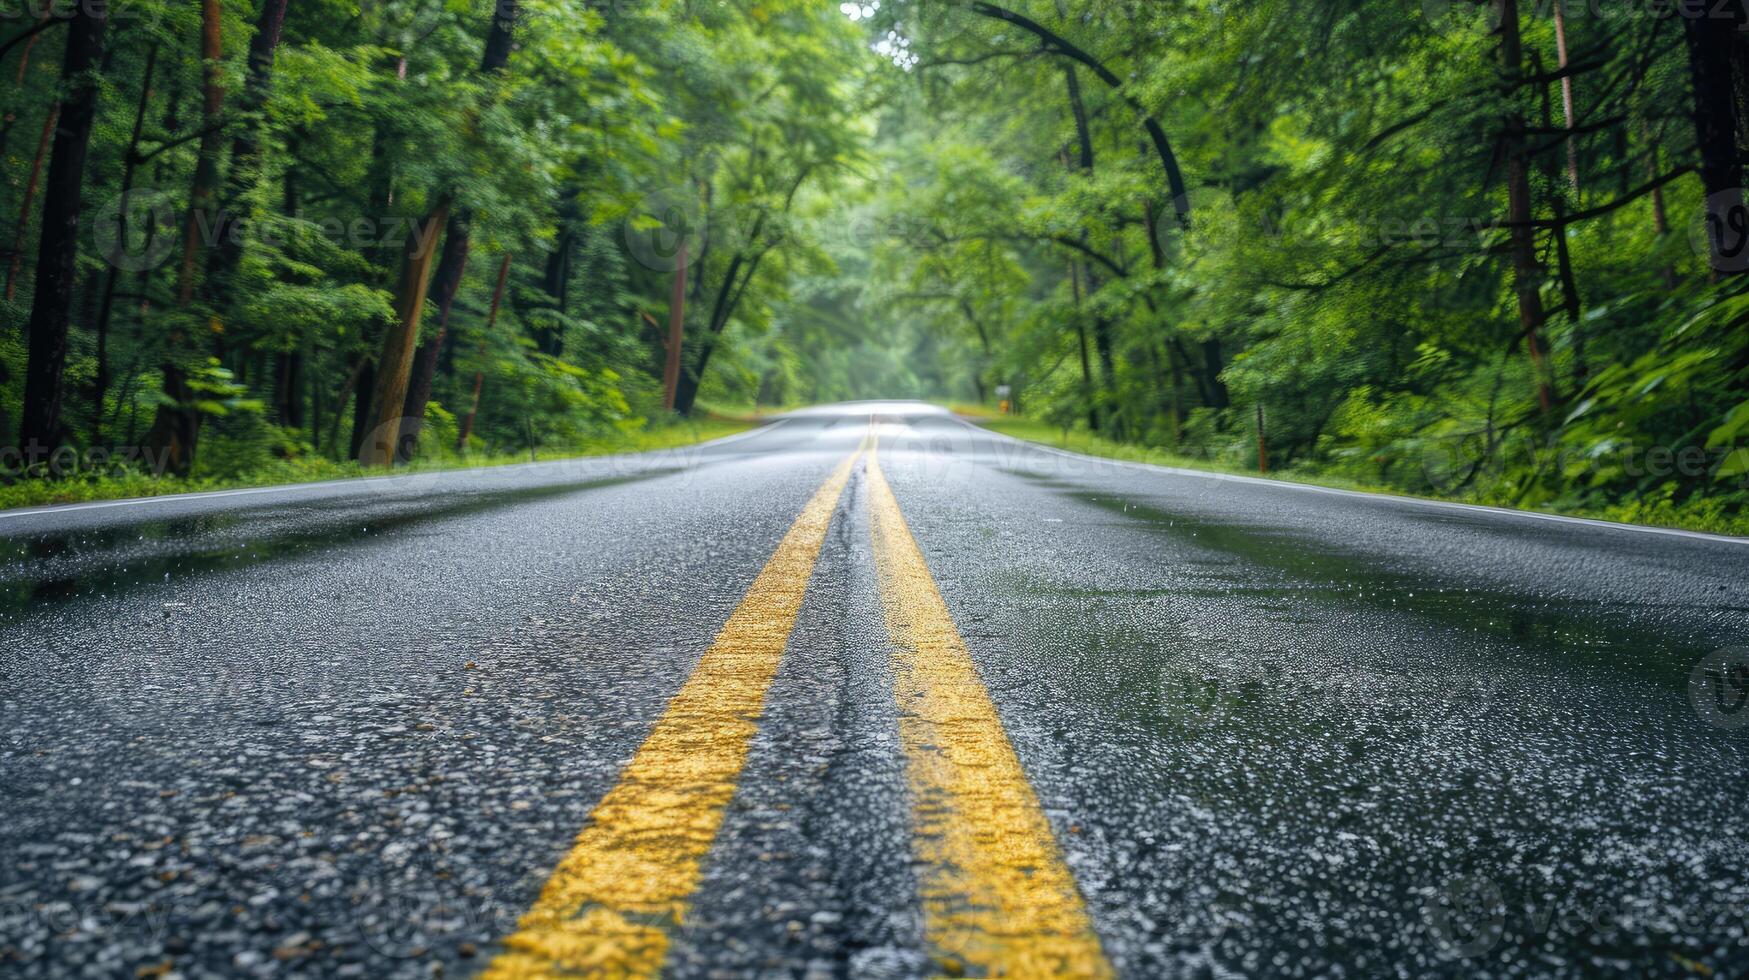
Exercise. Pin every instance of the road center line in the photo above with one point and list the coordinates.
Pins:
(630, 875)
(998, 900)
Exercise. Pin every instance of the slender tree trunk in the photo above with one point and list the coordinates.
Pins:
(6, 125)
(362, 391)
(494, 61)
(24, 208)
(1214, 363)
(381, 443)
(728, 297)
(1660, 215)
(676, 331)
(1100, 324)
(113, 274)
(556, 282)
(206, 168)
(1262, 443)
(1176, 369)
(1715, 123)
(467, 428)
(1089, 390)
(1572, 302)
(451, 266)
(1527, 273)
(58, 245)
(175, 430)
(245, 165)
(1566, 97)
(288, 384)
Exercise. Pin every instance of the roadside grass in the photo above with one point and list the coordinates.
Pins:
(126, 483)
(1712, 516)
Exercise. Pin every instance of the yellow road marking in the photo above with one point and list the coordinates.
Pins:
(998, 900)
(629, 877)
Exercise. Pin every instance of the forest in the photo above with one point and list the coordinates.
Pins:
(1482, 251)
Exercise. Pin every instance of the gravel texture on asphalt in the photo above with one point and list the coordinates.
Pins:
(348, 730)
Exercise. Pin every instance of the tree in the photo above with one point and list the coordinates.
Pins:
(58, 249)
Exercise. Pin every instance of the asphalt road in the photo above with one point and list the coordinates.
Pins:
(884, 698)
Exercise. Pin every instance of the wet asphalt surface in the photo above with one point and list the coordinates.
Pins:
(348, 730)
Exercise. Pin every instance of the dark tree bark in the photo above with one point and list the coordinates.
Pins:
(1090, 390)
(729, 297)
(451, 266)
(206, 167)
(100, 388)
(1102, 339)
(467, 426)
(1527, 272)
(1572, 303)
(245, 153)
(556, 283)
(288, 386)
(16, 260)
(500, 36)
(1212, 366)
(1710, 41)
(58, 246)
(175, 431)
(381, 444)
(362, 390)
(30, 38)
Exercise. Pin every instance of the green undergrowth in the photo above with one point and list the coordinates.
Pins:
(122, 482)
(1717, 515)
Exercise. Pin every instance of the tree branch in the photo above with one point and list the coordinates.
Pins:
(1054, 43)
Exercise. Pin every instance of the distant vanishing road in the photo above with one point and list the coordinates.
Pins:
(867, 692)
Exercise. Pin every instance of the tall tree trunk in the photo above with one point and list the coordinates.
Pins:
(363, 390)
(676, 331)
(245, 165)
(500, 35)
(451, 266)
(1715, 124)
(130, 162)
(556, 282)
(381, 445)
(1089, 389)
(1567, 107)
(1660, 215)
(42, 23)
(206, 167)
(467, 427)
(175, 431)
(1213, 363)
(24, 208)
(288, 384)
(1101, 326)
(1527, 273)
(58, 245)
(1176, 370)
(1571, 300)
(728, 298)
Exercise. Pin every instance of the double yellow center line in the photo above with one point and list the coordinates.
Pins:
(998, 900)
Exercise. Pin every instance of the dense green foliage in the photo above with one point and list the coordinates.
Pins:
(1347, 239)
(375, 122)
(1346, 272)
